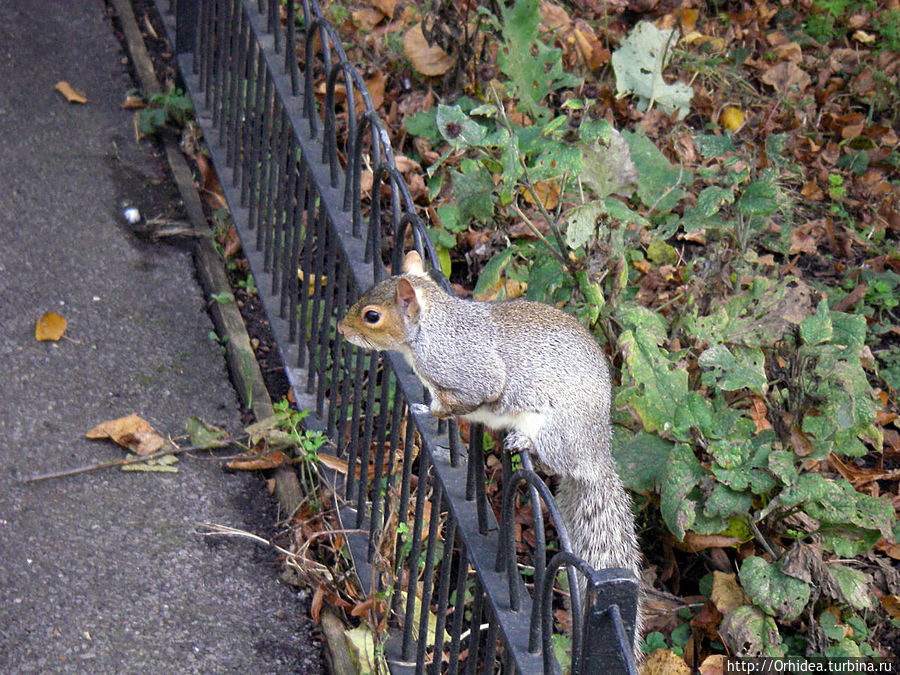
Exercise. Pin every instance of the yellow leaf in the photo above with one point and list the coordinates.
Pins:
(726, 593)
(546, 191)
(864, 37)
(731, 119)
(664, 662)
(427, 60)
(51, 327)
(71, 94)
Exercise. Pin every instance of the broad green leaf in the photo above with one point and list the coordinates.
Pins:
(848, 330)
(638, 64)
(723, 501)
(849, 542)
(205, 435)
(581, 223)
(817, 328)
(618, 210)
(854, 585)
(641, 459)
(645, 321)
(474, 191)
(592, 131)
(555, 159)
(711, 199)
(759, 198)
(449, 215)
(681, 474)
(692, 412)
(660, 185)
(711, 145)
(662, 252)
(534, 69)
(773, 591)
(440, 237)
(545, 277)
(607, 167)
(659, 387)
(750, 632)
(423, 125)
(745, 368)
(593, 295)
(457, 128)
(491, 278)
(782, 464)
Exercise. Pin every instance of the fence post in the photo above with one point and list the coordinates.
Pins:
(610, 611)
(185, 25)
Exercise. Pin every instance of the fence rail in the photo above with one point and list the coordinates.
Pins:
(291, 129)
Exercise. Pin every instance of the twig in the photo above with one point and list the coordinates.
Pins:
(115, 462)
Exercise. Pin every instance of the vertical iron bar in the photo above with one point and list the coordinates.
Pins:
(428, 575)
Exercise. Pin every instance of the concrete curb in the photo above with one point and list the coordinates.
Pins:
(242, 364)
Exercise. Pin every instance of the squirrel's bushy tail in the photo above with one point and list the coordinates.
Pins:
(600, 524)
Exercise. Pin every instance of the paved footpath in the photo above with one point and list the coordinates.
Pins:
(103, 572)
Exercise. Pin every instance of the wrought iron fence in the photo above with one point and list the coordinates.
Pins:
(292, 131)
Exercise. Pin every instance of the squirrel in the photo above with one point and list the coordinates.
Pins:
(520, 366)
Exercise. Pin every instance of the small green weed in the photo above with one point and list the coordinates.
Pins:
(170, 111)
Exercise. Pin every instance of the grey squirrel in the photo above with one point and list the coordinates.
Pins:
(517, 365)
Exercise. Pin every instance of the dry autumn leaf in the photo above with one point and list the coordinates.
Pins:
(71, 94)
(714, 664)
(386, 7)
(726, 594)
(271, 460)
(428, 60)
(664, 662)
(788, 79)
(132, 432)
(50, 327)
(333, 463)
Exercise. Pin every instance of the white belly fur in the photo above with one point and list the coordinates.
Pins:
(527, 423)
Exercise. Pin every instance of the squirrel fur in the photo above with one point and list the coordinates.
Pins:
(517, 365)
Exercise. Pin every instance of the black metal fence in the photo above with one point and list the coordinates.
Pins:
(291, 130)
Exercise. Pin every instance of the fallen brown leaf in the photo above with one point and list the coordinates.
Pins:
(71, 94)
(664, 662)
(49, 327)
(132, 432)
(428, 60)
(727, 594)
(270, 460)
(788, 79)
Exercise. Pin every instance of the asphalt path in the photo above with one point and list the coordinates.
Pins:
(104, 572)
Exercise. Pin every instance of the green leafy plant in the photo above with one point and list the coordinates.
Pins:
(735, 390)
(169, 111)
(306, 443)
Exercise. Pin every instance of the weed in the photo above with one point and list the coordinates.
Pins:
(170, 111)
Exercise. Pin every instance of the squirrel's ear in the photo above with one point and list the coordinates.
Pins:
(412, 264)
(407, 302)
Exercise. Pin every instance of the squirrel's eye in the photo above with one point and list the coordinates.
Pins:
(371, 316)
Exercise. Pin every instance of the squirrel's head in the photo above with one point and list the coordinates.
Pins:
(385, 316)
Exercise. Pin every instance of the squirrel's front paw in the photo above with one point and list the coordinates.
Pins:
(419, 408)
(517, 441)
(439, 411)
